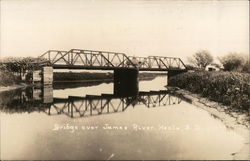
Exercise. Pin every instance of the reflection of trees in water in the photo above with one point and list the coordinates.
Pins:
(7, 96)
(16, 107)
(20, 101)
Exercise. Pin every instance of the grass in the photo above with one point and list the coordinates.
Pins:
(228, 88)
(8, 78)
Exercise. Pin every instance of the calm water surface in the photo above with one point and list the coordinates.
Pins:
(48, 124)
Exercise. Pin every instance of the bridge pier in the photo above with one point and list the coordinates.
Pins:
(126, 82)
(45, 75)
(172, 73)
(47, 94)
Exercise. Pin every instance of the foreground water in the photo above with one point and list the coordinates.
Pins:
(48, 124)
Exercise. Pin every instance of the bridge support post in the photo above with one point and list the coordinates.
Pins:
(172, 73)
(47, 94)
(126, 82)
(47, 75)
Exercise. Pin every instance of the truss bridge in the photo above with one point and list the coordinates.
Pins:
(103, 60)
(126, 68)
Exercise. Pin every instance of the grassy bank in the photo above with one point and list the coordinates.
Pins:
(229, 88)
(8, 78)
(68, 76)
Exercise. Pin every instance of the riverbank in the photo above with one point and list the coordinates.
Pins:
(229, 88)
(237, 121)
(9, 81)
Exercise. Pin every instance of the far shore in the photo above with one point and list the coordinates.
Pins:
(23, 85)
(101, 80)
(88, 80)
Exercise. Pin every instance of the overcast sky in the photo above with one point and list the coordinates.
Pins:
(140, 28)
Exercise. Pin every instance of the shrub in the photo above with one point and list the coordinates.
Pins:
(233, 61)
(229, 88)
(8, 78)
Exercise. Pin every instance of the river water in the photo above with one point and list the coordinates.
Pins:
(89, 122)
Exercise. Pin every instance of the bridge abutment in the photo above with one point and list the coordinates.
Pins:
(45, 75)
(126, 82)
(172, 73)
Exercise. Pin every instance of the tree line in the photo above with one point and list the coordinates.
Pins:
(19, 65)
(233, 61)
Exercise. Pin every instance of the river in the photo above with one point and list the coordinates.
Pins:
(89, 122)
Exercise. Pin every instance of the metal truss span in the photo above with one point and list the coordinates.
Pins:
(104, 60)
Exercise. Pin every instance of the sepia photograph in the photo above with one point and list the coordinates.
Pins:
(124, 80)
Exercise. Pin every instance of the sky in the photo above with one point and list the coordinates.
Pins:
(137, 28)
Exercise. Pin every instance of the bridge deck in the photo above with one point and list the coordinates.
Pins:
(58, 66)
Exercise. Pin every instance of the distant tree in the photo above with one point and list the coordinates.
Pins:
(233, 61)
(201, 59)
(19, 65)
(190, 67)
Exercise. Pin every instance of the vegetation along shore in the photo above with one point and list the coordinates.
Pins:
(229, 88)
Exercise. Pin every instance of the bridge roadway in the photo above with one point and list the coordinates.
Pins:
(103, 60)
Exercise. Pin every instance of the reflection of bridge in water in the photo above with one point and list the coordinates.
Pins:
(41, 100)
(92, 105)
